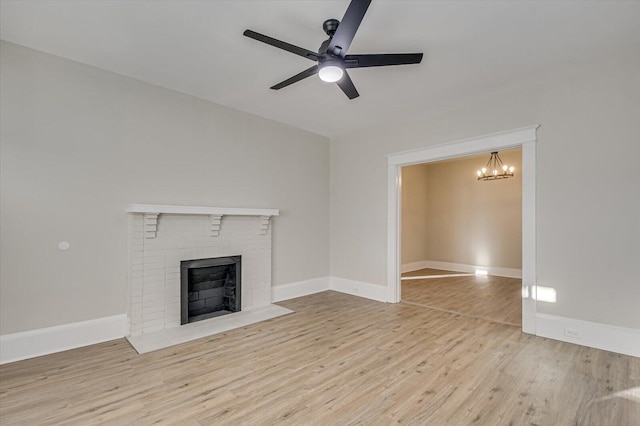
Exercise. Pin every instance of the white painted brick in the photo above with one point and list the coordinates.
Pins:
(152, 307)
(153, 327)
(153, 259)
(153, 297)
(155, 300)
(150, 253)
(155, 265)
(173, 279)
(184, 244)
(153, 282)
(149, 326)
(157, 272)
(153, 279)
(153, 315)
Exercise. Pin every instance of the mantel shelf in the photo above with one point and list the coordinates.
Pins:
(215, 211)
(151, 212)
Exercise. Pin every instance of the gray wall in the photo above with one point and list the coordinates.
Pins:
(79, 144)
(588, 197)
(450, 216)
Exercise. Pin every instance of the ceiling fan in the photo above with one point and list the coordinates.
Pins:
(331, 59)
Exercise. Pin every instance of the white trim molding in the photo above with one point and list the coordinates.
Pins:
(376, 292)
(44, 341)
(529, 260)
(477, 145)
(151, 212)
(379, 293)
(299, 289)
(592, 334)
(30, 344)
(462, 267)
(202, 210)
(524, 137)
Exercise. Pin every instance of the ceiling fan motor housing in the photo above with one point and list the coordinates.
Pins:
(330, 26)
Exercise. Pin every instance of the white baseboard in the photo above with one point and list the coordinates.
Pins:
(360, 288)
(592, 334)
(414, 266)
(316, 285)
(299, 289)
(44, 341)
(461, 267)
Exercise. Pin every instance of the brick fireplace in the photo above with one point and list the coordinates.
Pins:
(161, 238)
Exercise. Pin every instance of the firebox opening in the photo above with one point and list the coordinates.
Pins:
(209, 288)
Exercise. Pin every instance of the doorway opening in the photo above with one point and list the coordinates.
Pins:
(524, 138)
(461, 237)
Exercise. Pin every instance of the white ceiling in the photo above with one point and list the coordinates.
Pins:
(197, 47)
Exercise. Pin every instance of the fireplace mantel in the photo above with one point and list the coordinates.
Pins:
(215, 211)
(151, 212)
(161, 237)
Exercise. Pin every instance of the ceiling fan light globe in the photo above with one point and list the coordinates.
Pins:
(330, 73)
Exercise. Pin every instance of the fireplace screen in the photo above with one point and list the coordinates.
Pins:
(209, 288)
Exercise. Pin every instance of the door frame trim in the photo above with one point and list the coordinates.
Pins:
(524, 138)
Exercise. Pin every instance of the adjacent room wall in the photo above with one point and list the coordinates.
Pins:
(450, 216)
(587, 198)
(415, 213)
(79, 144)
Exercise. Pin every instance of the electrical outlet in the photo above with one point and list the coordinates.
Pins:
(571, 332)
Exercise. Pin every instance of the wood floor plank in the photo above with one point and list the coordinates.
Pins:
(339, 360)
(488, 297)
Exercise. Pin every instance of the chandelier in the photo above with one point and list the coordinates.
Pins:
(495, 169)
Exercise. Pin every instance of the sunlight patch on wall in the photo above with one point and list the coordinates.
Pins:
(539, 293)
(544, 294)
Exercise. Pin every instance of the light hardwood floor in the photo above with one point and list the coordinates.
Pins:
(338, 360)
(488, 297)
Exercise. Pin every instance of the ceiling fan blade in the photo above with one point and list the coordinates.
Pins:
(282, 45)
(362, 61)
(347, 86)
(348, 26)
(304, 74)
